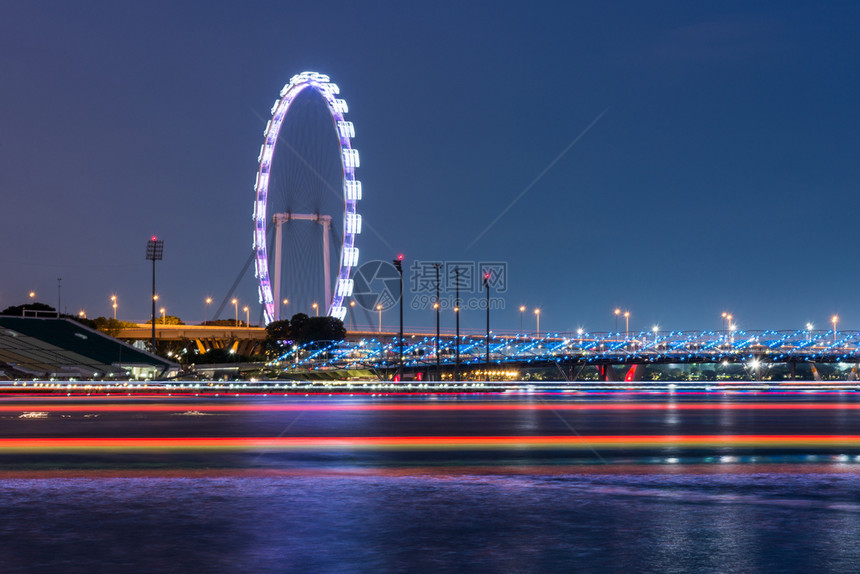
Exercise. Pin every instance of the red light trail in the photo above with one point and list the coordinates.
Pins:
(419, 407)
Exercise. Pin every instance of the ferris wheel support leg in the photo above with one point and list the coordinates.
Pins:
(276, 315)
(326, 225)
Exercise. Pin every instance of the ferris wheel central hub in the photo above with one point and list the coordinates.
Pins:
(281, 218)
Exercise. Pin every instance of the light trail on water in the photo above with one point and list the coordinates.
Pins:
(413, 443)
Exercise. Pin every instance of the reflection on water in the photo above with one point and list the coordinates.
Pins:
(434, 522)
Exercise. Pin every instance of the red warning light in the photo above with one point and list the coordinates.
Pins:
(400, 257)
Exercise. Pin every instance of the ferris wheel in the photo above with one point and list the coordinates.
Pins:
(306, 190)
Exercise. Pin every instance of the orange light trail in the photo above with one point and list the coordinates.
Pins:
(409, 443)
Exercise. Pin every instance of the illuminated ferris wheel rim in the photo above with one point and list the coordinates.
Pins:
(351, 190)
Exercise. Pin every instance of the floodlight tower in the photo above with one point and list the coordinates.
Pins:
(154, 252)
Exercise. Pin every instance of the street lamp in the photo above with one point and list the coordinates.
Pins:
(579, 332)
(247, 317)
(162, 315)
(436, 306)
(487, 287)
(617, 313)
(32, 296)
(114, 305)
(537, 318)
(316, 309)
(655, 329)
(456, 324)
(351, 312)
(522, 310)
(834, 320)
(398, 263)
(235, 303)
(207, 302)
(626, 324)
(728, 318)
(82, 314)
(379, 310)
(809, 331)
(436, 343)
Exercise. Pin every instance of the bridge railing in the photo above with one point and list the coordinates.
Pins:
(673, 346)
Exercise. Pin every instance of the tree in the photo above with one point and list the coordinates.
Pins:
(18, 310)
(279, 330)
(167, 320)
(111, 326)
(302, 329)
(224, 323)
(278, 333)
(298, 325)
(322, 329)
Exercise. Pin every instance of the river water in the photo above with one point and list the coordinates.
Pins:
(437, 506)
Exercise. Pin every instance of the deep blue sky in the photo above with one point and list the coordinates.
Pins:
(724, 175)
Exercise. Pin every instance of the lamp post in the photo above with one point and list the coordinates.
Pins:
(284, 303)
(154, 252)
(457, 324)
(235, 303)
(82, 314)
(113, 300)
(626, 325)
(436, 305)
(398, 263)
(579, 332)
(351, 315)
(834, 320)
(32, 296)
(162, 315)
(207, 302)
(487, 287)
(728, 318)
(379, 310)
(247, 316)
(537, 319)
(655, 329)
(808, 332)
(617, 313)
(522, 310)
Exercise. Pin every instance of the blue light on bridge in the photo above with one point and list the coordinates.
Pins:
(600, 348)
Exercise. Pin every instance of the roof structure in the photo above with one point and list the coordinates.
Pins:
(63, 348)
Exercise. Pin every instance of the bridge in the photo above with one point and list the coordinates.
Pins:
(755, 352)
(242, 340)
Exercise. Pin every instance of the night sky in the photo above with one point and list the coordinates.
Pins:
(716, 167)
